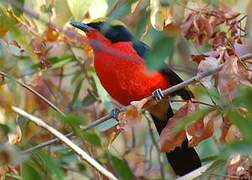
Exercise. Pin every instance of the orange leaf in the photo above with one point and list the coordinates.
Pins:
(224, 128)
(169, 140)
(51, 34)
(3, 31)
(39, 47)
(129, 117)
(112, 134)
(198, 58)
(206, 131)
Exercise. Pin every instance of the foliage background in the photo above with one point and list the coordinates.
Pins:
(38, 47)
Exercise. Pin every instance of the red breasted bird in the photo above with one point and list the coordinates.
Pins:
(126, 80)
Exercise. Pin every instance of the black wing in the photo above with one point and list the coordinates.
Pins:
(142, 49)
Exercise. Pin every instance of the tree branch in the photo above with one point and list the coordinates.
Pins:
(165, 92)
(34, 92)
(67, 141)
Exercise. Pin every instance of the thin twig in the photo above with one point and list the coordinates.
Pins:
(84, 128)
(165, 92)
(193, 101)
(156, 146)
(67, 141)
(34, 92)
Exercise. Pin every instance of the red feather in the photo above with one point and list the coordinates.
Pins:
(124, 79)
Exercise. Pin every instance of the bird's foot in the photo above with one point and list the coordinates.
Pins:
(114, 113)
(158, 95)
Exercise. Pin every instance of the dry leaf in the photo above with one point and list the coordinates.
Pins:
(111, 134)
(226, 124)
(40, 48)
(136, 163)
(205, 65)
(6, 157)
(169, 140)
(51, 34)
(233, 134)
(218, 39)
(15, 138)
(3, 31)
(128, 118)
(206, 132)
(237, 168)
(228, 78)
(197, 27)
(160, 15)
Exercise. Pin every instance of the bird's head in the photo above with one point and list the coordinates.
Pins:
(104, 32)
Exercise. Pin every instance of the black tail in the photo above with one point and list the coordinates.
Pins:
(183, 159)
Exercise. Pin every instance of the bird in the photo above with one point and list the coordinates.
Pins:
(126, 79)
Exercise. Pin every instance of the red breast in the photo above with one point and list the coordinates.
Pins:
(125, 79)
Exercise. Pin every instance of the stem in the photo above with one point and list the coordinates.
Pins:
(67, 141)
(34, 92)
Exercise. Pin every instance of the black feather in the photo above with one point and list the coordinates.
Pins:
(116, 33)
(183, 159)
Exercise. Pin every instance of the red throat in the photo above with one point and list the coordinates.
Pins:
(124, 79)
(97, 36)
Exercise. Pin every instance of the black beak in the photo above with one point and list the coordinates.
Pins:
(84, 27)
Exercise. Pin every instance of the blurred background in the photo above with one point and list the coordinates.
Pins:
(39, 48)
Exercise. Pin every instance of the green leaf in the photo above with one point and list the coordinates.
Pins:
(29, 172)
(244, 125)
(61, 63)
(241, 147)
(63, 13)
(121, 168)
(76, 92)
(158, 14)
(79, 8)
(244, 97)
(119, 12)
(102, 93)
(111, 5)
(192, 118)
(18, 11)
(36, 6)
(74, 120)
(161, 49)
(49, 164)
(4, 128)
(88, 100)
(92, 138)
(9, 23)
(140, 27)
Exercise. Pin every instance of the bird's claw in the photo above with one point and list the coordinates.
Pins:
(114, 113)
(158, 95)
